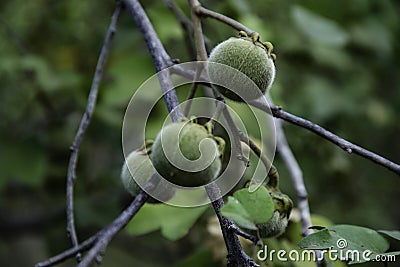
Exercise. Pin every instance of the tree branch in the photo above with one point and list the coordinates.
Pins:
(85, 245)
(100, 240)
(71, 174)
(236, 256)
(347, 146)
(104, 237)
(201, 11)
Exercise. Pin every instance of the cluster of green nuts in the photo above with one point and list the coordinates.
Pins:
(187, 153)
(241, 56)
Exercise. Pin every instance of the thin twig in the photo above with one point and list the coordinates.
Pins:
(201, 11)
(236, 256)
(71, 175)
(96, 252)
(198, 32)
(83, 246)
(99, 241)
(247, 236)
(347, 146)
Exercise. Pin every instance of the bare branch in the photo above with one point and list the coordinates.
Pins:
(109, 233)
(198, 32)
(201, 11)
(347, 146)
(239, 232)
(236, 256)
(100, 240)
(71, 175)
(85, 245)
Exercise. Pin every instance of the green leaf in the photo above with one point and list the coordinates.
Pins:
(258, 204)
(347, 239)
(174, 222)
(249, 208)
(393, 234)
(319, 240)
(234, 210)
(318, 28)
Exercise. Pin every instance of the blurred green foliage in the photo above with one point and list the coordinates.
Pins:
(338, 65)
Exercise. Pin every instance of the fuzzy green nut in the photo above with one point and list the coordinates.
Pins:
(138, 168)
(283, 206)
(279, 221)
(185, 153)
(248, 56)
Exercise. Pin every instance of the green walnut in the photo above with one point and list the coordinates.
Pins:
(138, 168)
(249, 56)
(276, 226)
(283, 206)
(187, 154)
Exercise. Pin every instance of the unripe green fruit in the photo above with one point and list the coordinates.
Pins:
(248, 56)
(186, 154)
(279, 221)
(275, 226)
(138, 167)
